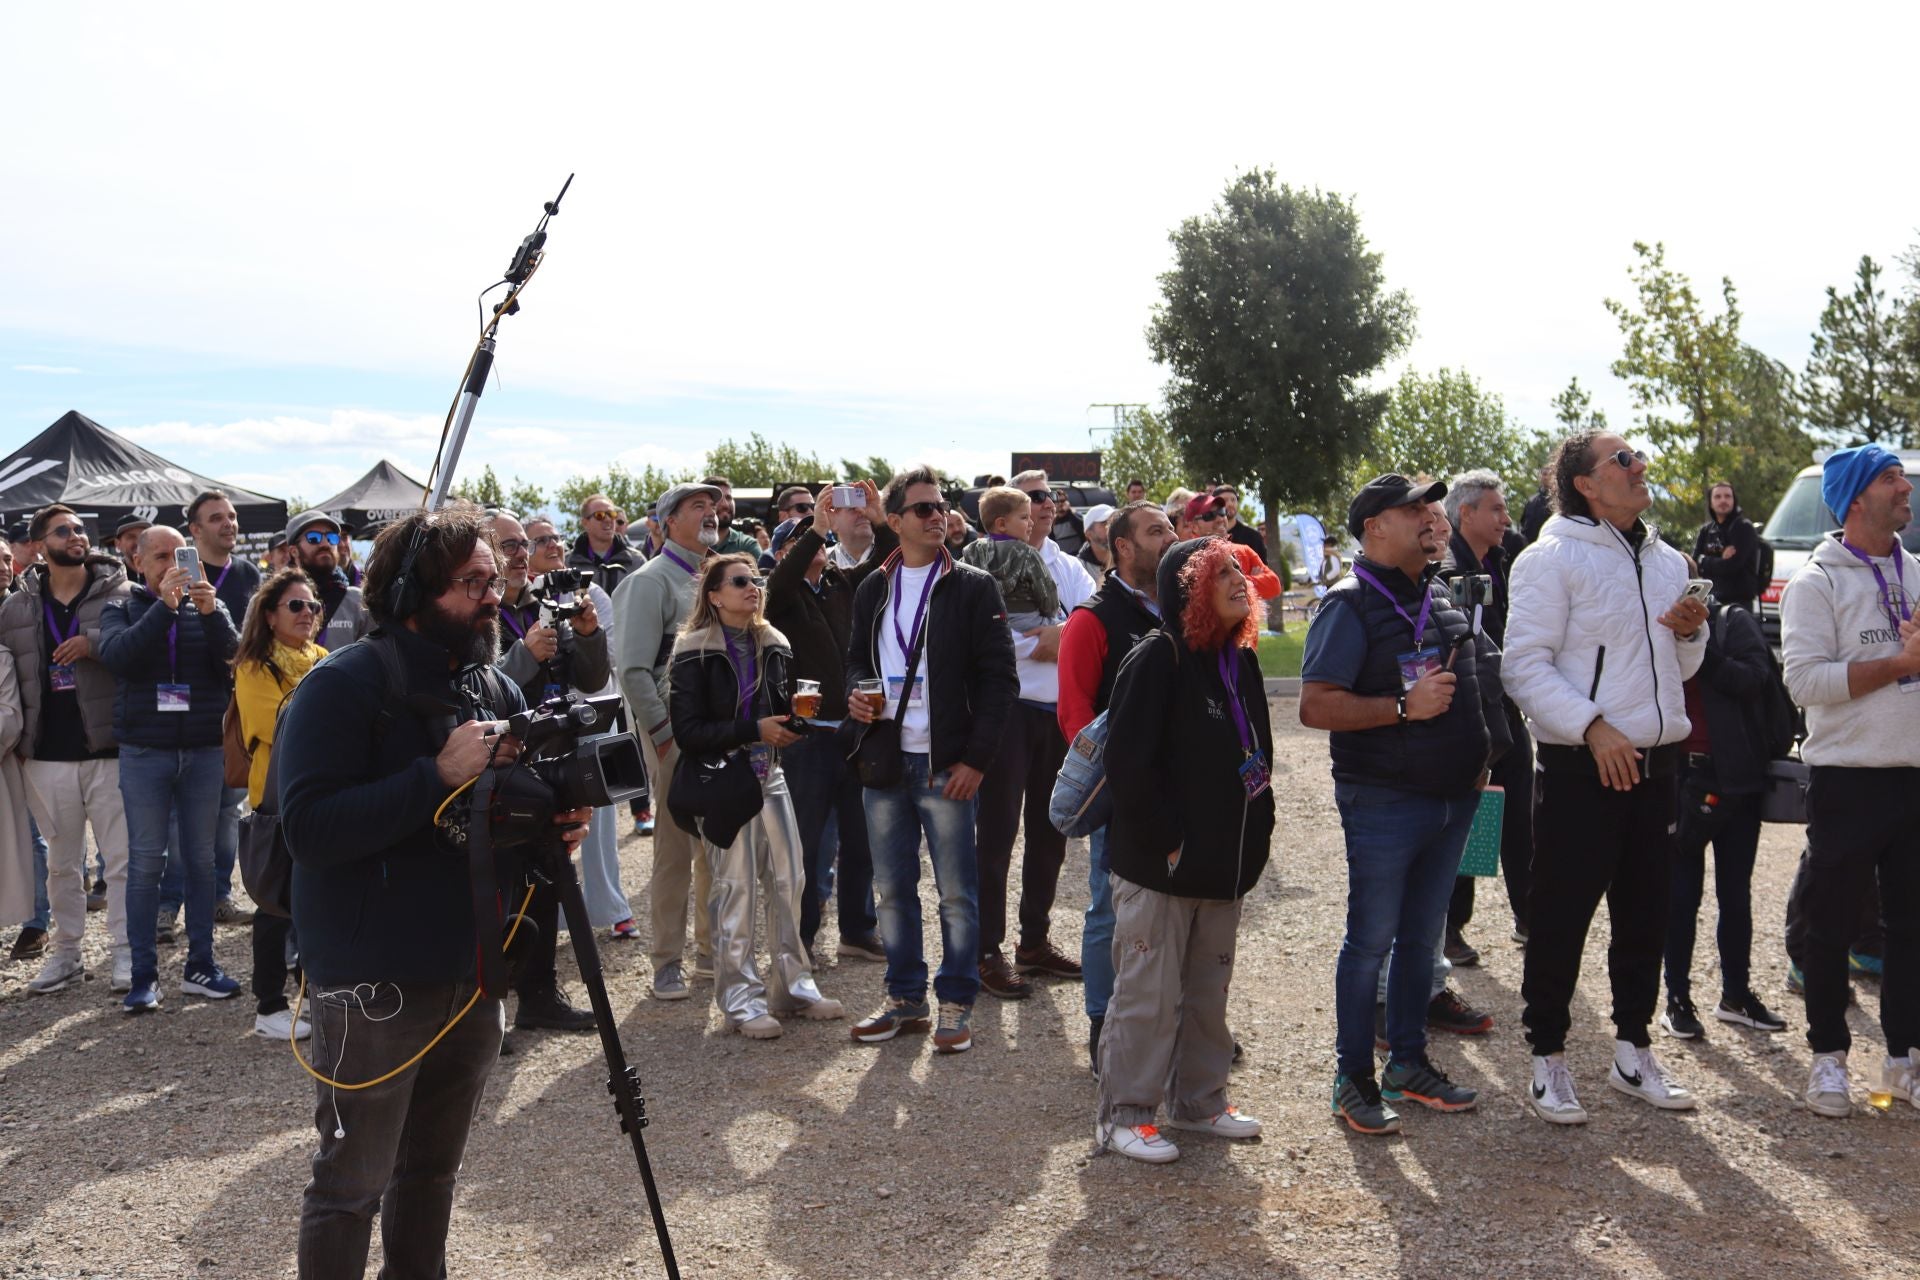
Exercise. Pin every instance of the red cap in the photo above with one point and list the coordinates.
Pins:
(1201, 504)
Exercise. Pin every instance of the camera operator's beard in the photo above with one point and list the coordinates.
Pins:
(471, 641)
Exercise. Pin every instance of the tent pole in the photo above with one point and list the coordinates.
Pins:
(462, 419)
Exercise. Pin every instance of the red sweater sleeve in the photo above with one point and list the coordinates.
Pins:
(1083, 655)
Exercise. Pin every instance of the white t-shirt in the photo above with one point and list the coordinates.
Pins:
(916, 730)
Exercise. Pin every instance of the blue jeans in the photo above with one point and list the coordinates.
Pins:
(1403, 852)
(157, 786)
(1096, 935)
(226, 840)
(42, 909)
(896, 819)
(173, 874)
(829, 806)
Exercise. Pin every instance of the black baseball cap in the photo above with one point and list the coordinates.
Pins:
(1390, 490)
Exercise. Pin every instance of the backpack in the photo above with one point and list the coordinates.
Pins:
(1763, 564)
(1081, 803)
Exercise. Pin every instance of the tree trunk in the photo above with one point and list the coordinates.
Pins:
(1270, 527)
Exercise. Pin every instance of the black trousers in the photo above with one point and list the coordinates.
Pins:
(1594, 843)
(1021, 780)
(535, 957)
(1861, 826)
(1731, 824)
(403, 1139)
(1514, 771)
(270, 934)
(1869, 938)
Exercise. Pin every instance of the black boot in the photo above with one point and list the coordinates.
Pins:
(546, 1009)
(1094, 1024)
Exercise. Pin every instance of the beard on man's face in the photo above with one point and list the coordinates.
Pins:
(73, 553)
(470, 641)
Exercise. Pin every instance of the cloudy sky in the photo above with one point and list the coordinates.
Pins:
(250, 237)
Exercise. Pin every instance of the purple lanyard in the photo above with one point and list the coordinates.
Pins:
(518, 628)
(1886, 594)
(920, 611)
(1426, 604)
(54, 627)
(667, 551)
(1487, 564)
(225, 569)
(1230, 677)
(746, 673)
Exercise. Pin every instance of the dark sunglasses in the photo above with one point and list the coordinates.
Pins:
(1209, 517)
(744, 580)
(608, 516)
(1623, 458)
(66, 531)
(925, 510)
(1040, 495)
(315, 538)
(300, 606)
(797, 509)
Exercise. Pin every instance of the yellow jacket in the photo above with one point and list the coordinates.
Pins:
(258, 693)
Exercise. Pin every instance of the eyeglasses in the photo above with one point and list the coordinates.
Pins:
(741, 581)
(66, 531)
(493, 586)
(297, 607)
(1623, 458)
(608, 516)
(1209, 517)
(514, 546)
(1040, 495)
(797, 509)
(545, 540)
(925, 510)
(314, 538)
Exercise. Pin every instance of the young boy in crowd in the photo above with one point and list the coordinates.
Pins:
(1026, 587)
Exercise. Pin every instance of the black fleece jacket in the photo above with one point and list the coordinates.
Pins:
(1732, 683)
(1174, 757)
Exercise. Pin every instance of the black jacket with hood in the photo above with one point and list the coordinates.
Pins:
(1735, 581)
(1174, 758)
(621, 559)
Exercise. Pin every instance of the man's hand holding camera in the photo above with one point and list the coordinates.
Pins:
(480, 744)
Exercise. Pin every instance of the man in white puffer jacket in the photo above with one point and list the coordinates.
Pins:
(1600, 640)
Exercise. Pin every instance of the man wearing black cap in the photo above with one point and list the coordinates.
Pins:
(1601, 637)
(1389, 671)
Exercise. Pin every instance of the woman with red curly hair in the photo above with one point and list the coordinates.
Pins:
(1189, 752)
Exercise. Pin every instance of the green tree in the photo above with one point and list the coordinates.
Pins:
(1443, 424)
(1854, 380)
(1273, 317)
(518, 496)
(631, 491)
(761, 464)
(875, 468)
(1573, 407)
(1772, 442)
(1142, 448)
(1685, 370)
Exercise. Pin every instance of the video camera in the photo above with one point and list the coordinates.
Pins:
(557, 771)
(563, 592)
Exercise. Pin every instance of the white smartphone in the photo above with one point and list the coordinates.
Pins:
(849, 495)
(1698, 589)
(188, 558)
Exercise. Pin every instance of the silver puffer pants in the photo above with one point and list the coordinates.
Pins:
(762, 861)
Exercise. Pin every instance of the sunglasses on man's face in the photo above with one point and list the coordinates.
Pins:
(297, 607)
(1040, 495)
(1209, 517)
(1622, 458)
(606, 517)
(66, 531)
(315, 538)
(924, 510)
(741, 581)
(797, 509)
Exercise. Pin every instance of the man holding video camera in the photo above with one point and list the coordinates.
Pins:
(382, 906)
(544, 659)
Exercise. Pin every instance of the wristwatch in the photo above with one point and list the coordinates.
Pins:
(1401, 702)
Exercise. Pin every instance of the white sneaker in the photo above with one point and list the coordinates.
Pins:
(1913, 1076)
(1827, 1093)
(764, 1027)
(122, 969)
(1136, 1142)
(59, 971)
(1228, 1124)
(825, 1009)
(1552, 1097)
(277, 1026)
(1900, 1079)
(1647, 1080)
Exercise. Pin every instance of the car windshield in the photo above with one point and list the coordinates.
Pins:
(1802, 517)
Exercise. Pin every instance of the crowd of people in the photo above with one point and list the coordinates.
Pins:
(818, 697)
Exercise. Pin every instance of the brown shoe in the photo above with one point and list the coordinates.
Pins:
(999, 979)
(1047, 959)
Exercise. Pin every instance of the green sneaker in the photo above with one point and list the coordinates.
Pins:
(1356, 1099)
(1422, 1082)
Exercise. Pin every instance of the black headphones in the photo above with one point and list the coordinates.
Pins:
(404, 599)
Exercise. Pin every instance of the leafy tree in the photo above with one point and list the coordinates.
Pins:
(1854, 379)
(875, 468)
(1442, 424)
(518, 496)
(1142, 448)
(1273, 317)
(1772, 440)
(759, 463)
(629, 490)
(1573, 406)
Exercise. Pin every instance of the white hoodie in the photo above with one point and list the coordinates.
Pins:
(1832, 616)
(1584, 640)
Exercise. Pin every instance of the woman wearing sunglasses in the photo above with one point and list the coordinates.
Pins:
(730, 701)
(276, 652)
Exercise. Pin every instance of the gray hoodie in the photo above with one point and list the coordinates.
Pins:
(1831, 616)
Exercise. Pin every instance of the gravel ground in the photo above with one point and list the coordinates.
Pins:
(176, 1145)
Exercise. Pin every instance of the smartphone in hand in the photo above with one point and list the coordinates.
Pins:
(188, 558)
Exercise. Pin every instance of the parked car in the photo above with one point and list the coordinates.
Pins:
(1799, 520)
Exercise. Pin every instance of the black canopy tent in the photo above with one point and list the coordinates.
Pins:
(375, 500)
(106, 478)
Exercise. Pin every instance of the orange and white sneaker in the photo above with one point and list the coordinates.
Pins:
(1228, 1124)
(1136, 1142)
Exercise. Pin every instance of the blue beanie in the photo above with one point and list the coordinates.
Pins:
(1846, 474)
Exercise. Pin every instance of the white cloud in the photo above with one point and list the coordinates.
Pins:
(46, 368)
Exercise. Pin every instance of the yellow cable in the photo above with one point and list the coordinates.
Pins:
(299, 996)
(452, 796)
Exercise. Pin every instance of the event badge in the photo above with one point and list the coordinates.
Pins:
(915, 700)
(760, 756)
(62, 676)
(1416, 663)
(553, 691)
(174, 697)
(1254, 774)
(1908, 684)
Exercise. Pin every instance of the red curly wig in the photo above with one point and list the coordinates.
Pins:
(1203, 629)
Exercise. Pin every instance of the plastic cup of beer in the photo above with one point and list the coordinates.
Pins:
(875, 692)
(806, 698)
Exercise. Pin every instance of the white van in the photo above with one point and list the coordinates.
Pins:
(1799, 521)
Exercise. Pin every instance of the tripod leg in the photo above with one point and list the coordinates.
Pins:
(623, 1081)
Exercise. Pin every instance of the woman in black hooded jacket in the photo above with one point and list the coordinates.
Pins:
(1189, 754)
